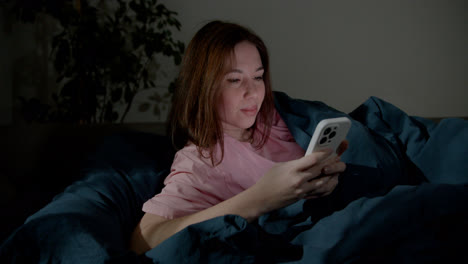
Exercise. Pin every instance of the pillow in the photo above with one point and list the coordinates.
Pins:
(91, 221)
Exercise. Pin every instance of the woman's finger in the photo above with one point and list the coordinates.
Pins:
(322, 186)
(309, 161)
(336, 167)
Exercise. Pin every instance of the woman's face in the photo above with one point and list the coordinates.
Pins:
(242, 90)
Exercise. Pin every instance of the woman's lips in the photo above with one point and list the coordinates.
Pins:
(250, 111)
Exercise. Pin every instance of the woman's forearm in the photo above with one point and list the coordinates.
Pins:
(153, 230)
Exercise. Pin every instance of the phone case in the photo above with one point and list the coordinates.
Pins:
(329, 133)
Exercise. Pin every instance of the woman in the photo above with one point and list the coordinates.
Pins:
(236, 155)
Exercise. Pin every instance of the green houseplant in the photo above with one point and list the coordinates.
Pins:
(105, 53)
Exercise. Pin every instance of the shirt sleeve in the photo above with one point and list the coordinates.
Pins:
(192, 186)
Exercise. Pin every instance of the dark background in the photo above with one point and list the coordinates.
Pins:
(39, 161)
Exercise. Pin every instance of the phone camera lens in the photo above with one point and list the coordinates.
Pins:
(332, 134)
(327, 131)
(323, 140)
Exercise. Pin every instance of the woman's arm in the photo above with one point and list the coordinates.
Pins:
(282, 185)
(154, 229)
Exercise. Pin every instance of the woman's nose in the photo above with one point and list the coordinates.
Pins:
(250, 89)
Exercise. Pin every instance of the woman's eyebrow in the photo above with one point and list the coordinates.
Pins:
(239, 71)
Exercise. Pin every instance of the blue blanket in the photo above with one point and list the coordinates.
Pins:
(403, 198)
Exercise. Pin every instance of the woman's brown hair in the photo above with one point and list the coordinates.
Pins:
(193, 116)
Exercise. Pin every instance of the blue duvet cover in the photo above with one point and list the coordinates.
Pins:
(402, 199)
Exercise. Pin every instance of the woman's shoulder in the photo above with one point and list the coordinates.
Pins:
(189, 152)
(191, 167)
(191, 156)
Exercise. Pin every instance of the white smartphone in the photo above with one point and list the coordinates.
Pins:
(329, 133)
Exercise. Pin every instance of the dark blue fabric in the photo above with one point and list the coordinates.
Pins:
(91, 221)
(402, 199)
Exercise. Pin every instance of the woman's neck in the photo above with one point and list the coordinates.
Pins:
(239, 134)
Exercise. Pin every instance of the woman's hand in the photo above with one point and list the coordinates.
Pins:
(329, 177)
(311, 176)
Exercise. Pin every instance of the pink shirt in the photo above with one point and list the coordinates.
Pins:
(194, 184)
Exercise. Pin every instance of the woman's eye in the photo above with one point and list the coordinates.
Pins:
(259, 78)
(233, 80)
